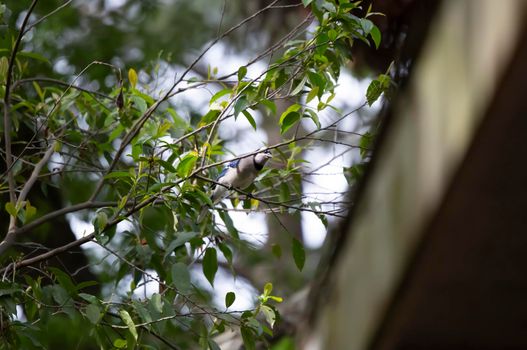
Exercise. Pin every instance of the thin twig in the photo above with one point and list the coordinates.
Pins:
(47, 16)
(62, 83)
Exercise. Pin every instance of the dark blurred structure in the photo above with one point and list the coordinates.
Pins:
(433, 256)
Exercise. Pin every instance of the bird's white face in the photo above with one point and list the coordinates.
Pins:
(263, 157)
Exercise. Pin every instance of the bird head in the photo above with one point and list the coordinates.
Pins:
(262, 156)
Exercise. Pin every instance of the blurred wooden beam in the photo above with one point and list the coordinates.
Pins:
(412, 271)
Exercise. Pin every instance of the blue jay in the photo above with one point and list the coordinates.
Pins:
(238, 174)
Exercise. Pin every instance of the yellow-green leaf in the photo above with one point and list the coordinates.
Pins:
(127, 319)
(11, 209)
(119, 343)
(30, 211)
(268, 288)
(312, 94)
(186, 164)
(275, 298)
(132, 77)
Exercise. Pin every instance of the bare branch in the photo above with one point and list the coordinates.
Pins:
(63, 211)
(7, 97)
(34, 175)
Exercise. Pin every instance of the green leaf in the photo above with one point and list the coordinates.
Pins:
(167, 166)
(139, 103)
(127, 319)
(186, 164)
(227, 253)
(299, 87)
(156, 302)
(289, 120)
(270, 105)
(241, 104)
(86, 284)
(285, 194)
(213, 345)
(11, 209)
(332, 34)
(229, 299)
(248, 338)
(313, 116)
(219, 94)
(250, 119)
(306, 2)
(270, 315)
(148, 99)
(230, 225)
(182, 238)
(120, 343)
(210, 264)
(181, 277)
(293, 108)
(312, 94)
(385, 81)
(64, 280)
(317, 80)
(88, 297)
(366, 25)
(299, 254)
(204, 197)
(365, 143)
(101, 220)
(242, 72)
(275, 298)
(285, 343)
(376, 36)
(132, 77)
(373, 92)
(377, 87)
(93, 313)
(210, 116)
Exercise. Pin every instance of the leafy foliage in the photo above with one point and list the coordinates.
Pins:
(129, 154)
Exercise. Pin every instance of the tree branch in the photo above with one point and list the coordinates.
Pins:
(7, 97)
(63, 211)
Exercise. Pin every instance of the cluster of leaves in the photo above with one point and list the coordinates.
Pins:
(127, 155)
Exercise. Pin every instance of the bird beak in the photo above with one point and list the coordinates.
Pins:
(268, 155)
